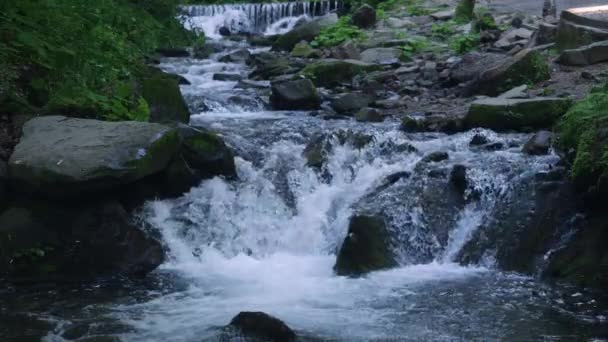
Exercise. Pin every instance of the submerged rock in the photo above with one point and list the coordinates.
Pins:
(65, 157)
(516, 114)
(238, 56)
(369, 115)
(259, 325)
(365, 247)
(298, 94)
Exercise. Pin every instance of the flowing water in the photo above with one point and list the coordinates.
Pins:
(268, 241)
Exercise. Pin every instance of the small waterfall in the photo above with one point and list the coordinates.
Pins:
(253, 18)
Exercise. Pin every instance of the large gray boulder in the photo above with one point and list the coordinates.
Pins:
(351, 103)
(586, 55)
(295, 95)
(502, 114)
(63, 157)
(305, 32)
(381, 56)
(526, 67)
(162, 93)
(365, 248)
(576, 30)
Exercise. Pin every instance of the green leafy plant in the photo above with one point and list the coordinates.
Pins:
(465, 42)
(413, 46)
(443, 30)
(337, 34)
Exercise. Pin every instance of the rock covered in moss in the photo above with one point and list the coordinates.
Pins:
(526, 67)
(516, 114)
(165, 101)
(65, 157)
(299, 94)
(333, 72)
(73, 241)
(464, 11)
(302, 49)
(364, 17)
(260, 326)
(206, 153)
(365, 247)
(305, 32)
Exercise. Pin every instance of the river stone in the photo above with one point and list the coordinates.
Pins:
(206, 153)
(259, 325)
(161, 92)
(539, 144)
(516, 114)
(302, 49)
(333, 72)
(586, 55)
(238, 56)
(73, 241)
(59, 156)
(298, 94)
(575, 30)
(365, 247)
(227, 77)
(173, 52)
(364, 17)
(351, 103)
(526, 67)
(305, 32)
(381, 56)
(369, 115)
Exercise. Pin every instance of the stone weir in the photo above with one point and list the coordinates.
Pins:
(262, 15)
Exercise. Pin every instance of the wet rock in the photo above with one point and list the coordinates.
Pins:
(435, 157)
(224, 31)
(263, 327)
(586, 55)
(305, 32)
(227, 77)
(206, 153)
(173, 52)
(321, 145)
(381, 56)
(350, 103)
(478, 140)
(331, 72)
(432, 123)
(539, 144)
(65, 157)
(365, 247)
(238, 56)
(268, 65)
(260, 40)
(515, 114)
(458, 178)
(526, 67)
(163, 95)
(248, 84)
(364, 17)
(369, 115)
(295, 95)
(67, 241)
(206, 50)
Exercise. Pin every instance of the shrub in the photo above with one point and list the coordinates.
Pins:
(337, 34)
(465, 42)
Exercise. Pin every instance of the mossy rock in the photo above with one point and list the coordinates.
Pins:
(65, 157)
(464, 11)
(516, 114)
(584, 129)
(206, 153)
(299, 94)
(302, 49)
(163, 95)
(365, 248)
(329, 73)
(527, 67)
(305, 32)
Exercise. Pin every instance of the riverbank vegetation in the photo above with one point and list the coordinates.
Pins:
(63, 56)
